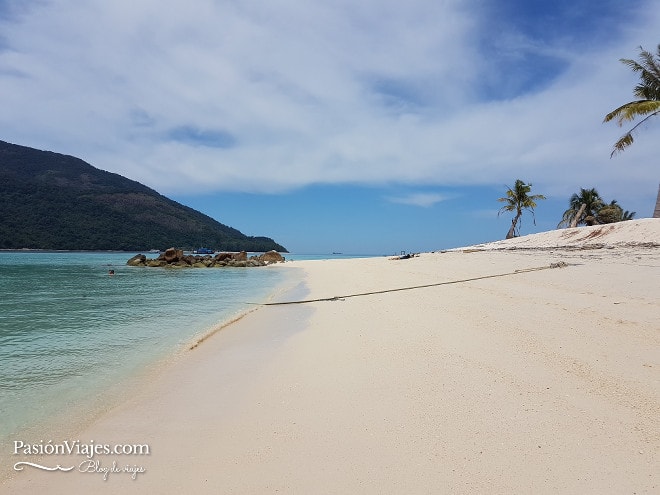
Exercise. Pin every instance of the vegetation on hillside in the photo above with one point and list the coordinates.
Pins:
(54, 201)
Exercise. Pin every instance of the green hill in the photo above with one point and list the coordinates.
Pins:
(54, 201)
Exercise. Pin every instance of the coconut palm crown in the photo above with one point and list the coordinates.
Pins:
(613, 212)
(517, 199)
(583, 209)
(648, 92)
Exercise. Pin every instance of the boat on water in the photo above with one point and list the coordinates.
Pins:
(203, 250)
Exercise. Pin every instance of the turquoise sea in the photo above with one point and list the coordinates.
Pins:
(72, 336)
(74, 339)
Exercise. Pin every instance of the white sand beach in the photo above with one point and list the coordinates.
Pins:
(523, 366)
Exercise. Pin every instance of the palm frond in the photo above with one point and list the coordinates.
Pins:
(627, 139)
(649, 70)
(506, 209)
(648, 89)
(566, 218)
(632, 110)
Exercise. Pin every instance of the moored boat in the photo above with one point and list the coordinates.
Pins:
(203, 250)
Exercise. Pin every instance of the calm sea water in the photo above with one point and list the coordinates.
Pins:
(70, 332)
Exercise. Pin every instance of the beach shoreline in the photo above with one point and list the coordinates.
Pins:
(465, 371)
(69, 424)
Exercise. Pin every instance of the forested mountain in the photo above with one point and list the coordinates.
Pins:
(54, 201)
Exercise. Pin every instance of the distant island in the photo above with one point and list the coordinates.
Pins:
(58, 202)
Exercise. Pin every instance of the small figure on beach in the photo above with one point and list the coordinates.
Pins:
(405, 256)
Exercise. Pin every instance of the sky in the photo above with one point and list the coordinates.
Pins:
(369, 127)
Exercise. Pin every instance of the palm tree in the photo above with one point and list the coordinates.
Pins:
(614, 213)
(648, 92)
(583, 209)
(517, 199)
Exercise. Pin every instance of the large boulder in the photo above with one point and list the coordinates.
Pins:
(172, 255)
(271, 257)
(238, 263)
(190, 259)
(242, 256)
(137, 260)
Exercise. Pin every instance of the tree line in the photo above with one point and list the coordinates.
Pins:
(587, 207)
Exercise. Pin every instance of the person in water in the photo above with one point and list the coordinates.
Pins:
(111, 272)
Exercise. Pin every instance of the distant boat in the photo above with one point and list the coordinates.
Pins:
(337, 253)
(203, 250)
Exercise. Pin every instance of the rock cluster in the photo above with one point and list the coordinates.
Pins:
(176, 258)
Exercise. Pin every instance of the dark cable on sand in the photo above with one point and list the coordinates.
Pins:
(560, 264)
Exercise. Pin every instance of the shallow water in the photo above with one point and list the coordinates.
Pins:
(70, 332)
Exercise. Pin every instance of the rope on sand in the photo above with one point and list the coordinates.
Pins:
(560, 264)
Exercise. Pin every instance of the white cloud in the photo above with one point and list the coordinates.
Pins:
(221, 95)
(486, 213)
(425, 200)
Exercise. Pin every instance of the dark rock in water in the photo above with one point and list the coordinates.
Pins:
(190, 260)
(176, 259)
(172, 255)
(242, 256)
(137, 260)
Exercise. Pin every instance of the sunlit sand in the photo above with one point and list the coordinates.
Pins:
(544, 378)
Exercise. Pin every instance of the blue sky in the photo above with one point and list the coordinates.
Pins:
(369, 127)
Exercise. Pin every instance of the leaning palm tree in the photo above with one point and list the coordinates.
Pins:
(583, 209)
(517, 199)
(648, 92)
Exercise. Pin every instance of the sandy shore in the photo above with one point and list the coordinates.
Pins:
(541, 380)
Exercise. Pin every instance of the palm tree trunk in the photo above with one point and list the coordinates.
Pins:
(577, 216)
(512, 231)
(656, 212)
